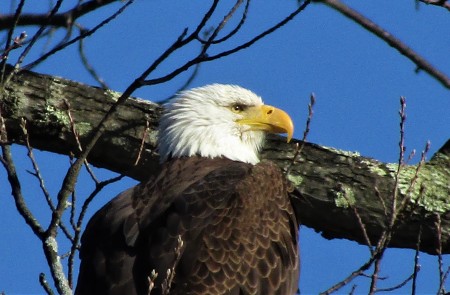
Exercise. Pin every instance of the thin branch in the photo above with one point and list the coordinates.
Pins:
(8, 163)
(375, 29)
(17, 43)
(77, 140)
(298, 147)
(141, 147)
(363, 228)
(12, 27)
(398, 286)
(444, 279)
(37, 172)
(414, 179)
(380, 198)
(77, 227)
(416, 260)
(79, 37)
(180, 42)
(375, 274)
(439, 254)
(186, 84)
(226, 18)
(442, 3)
(384, 240)
(170, 274)
(58, 20)
(50, 247)
(44, 283)
(350, 277)
(91, 197)
(151, 281)
(38, 33)
(88, 66)
(205, 58)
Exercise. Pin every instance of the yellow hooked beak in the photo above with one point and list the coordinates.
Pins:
(268, 118)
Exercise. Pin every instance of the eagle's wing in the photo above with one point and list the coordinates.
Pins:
(226, 248)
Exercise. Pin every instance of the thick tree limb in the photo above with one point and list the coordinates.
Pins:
(330, 185)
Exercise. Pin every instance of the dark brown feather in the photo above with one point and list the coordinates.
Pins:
(236, 221)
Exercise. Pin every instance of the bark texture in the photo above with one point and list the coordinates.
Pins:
(329, 185)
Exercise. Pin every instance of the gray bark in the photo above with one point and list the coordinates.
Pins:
(329, 185)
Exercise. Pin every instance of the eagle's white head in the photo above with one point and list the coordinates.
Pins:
(219, 121)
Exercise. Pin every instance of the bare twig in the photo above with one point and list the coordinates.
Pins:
(17, 42)
(79, 37)
(12, 27)
(384, 240)
(401, 157)
(374, 276)
(8, 163)
(363, 228)
(77, 139)
(63, 19)
(170, 275)
(381, 33)
(151, 281)
(416, 261)
(442, 3)
(439, 254)
(77, 227)
(87, 65)
(383, 203)
(205, 58)
(299, 147)
(414, 179)
(44, 283)
(91, 197)
(184, 86)
(350, 277)
(226, 18)
(401, 143)
(141, 147)
(37, 35)
(398, 286)
(37, 172)
(395, 209)
(444, 279)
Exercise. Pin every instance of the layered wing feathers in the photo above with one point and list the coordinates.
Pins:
(236, 222)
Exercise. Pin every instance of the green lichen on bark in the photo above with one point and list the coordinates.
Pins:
(295, 179)
(114, 95)
(12, 100)
(342, 152)
(344, 197)
(55, 116)
(381, 169)
(429, 187)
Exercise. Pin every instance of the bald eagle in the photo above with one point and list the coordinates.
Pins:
(215, 220)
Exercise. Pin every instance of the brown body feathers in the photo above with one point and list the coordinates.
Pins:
(236, 222)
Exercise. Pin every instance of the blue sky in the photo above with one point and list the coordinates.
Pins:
(356, 77)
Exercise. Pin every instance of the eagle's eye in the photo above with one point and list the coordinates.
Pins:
(237, 108)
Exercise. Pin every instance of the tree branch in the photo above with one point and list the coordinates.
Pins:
(64, 19)
(421, 63)
(325, 197)
(442, 3)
